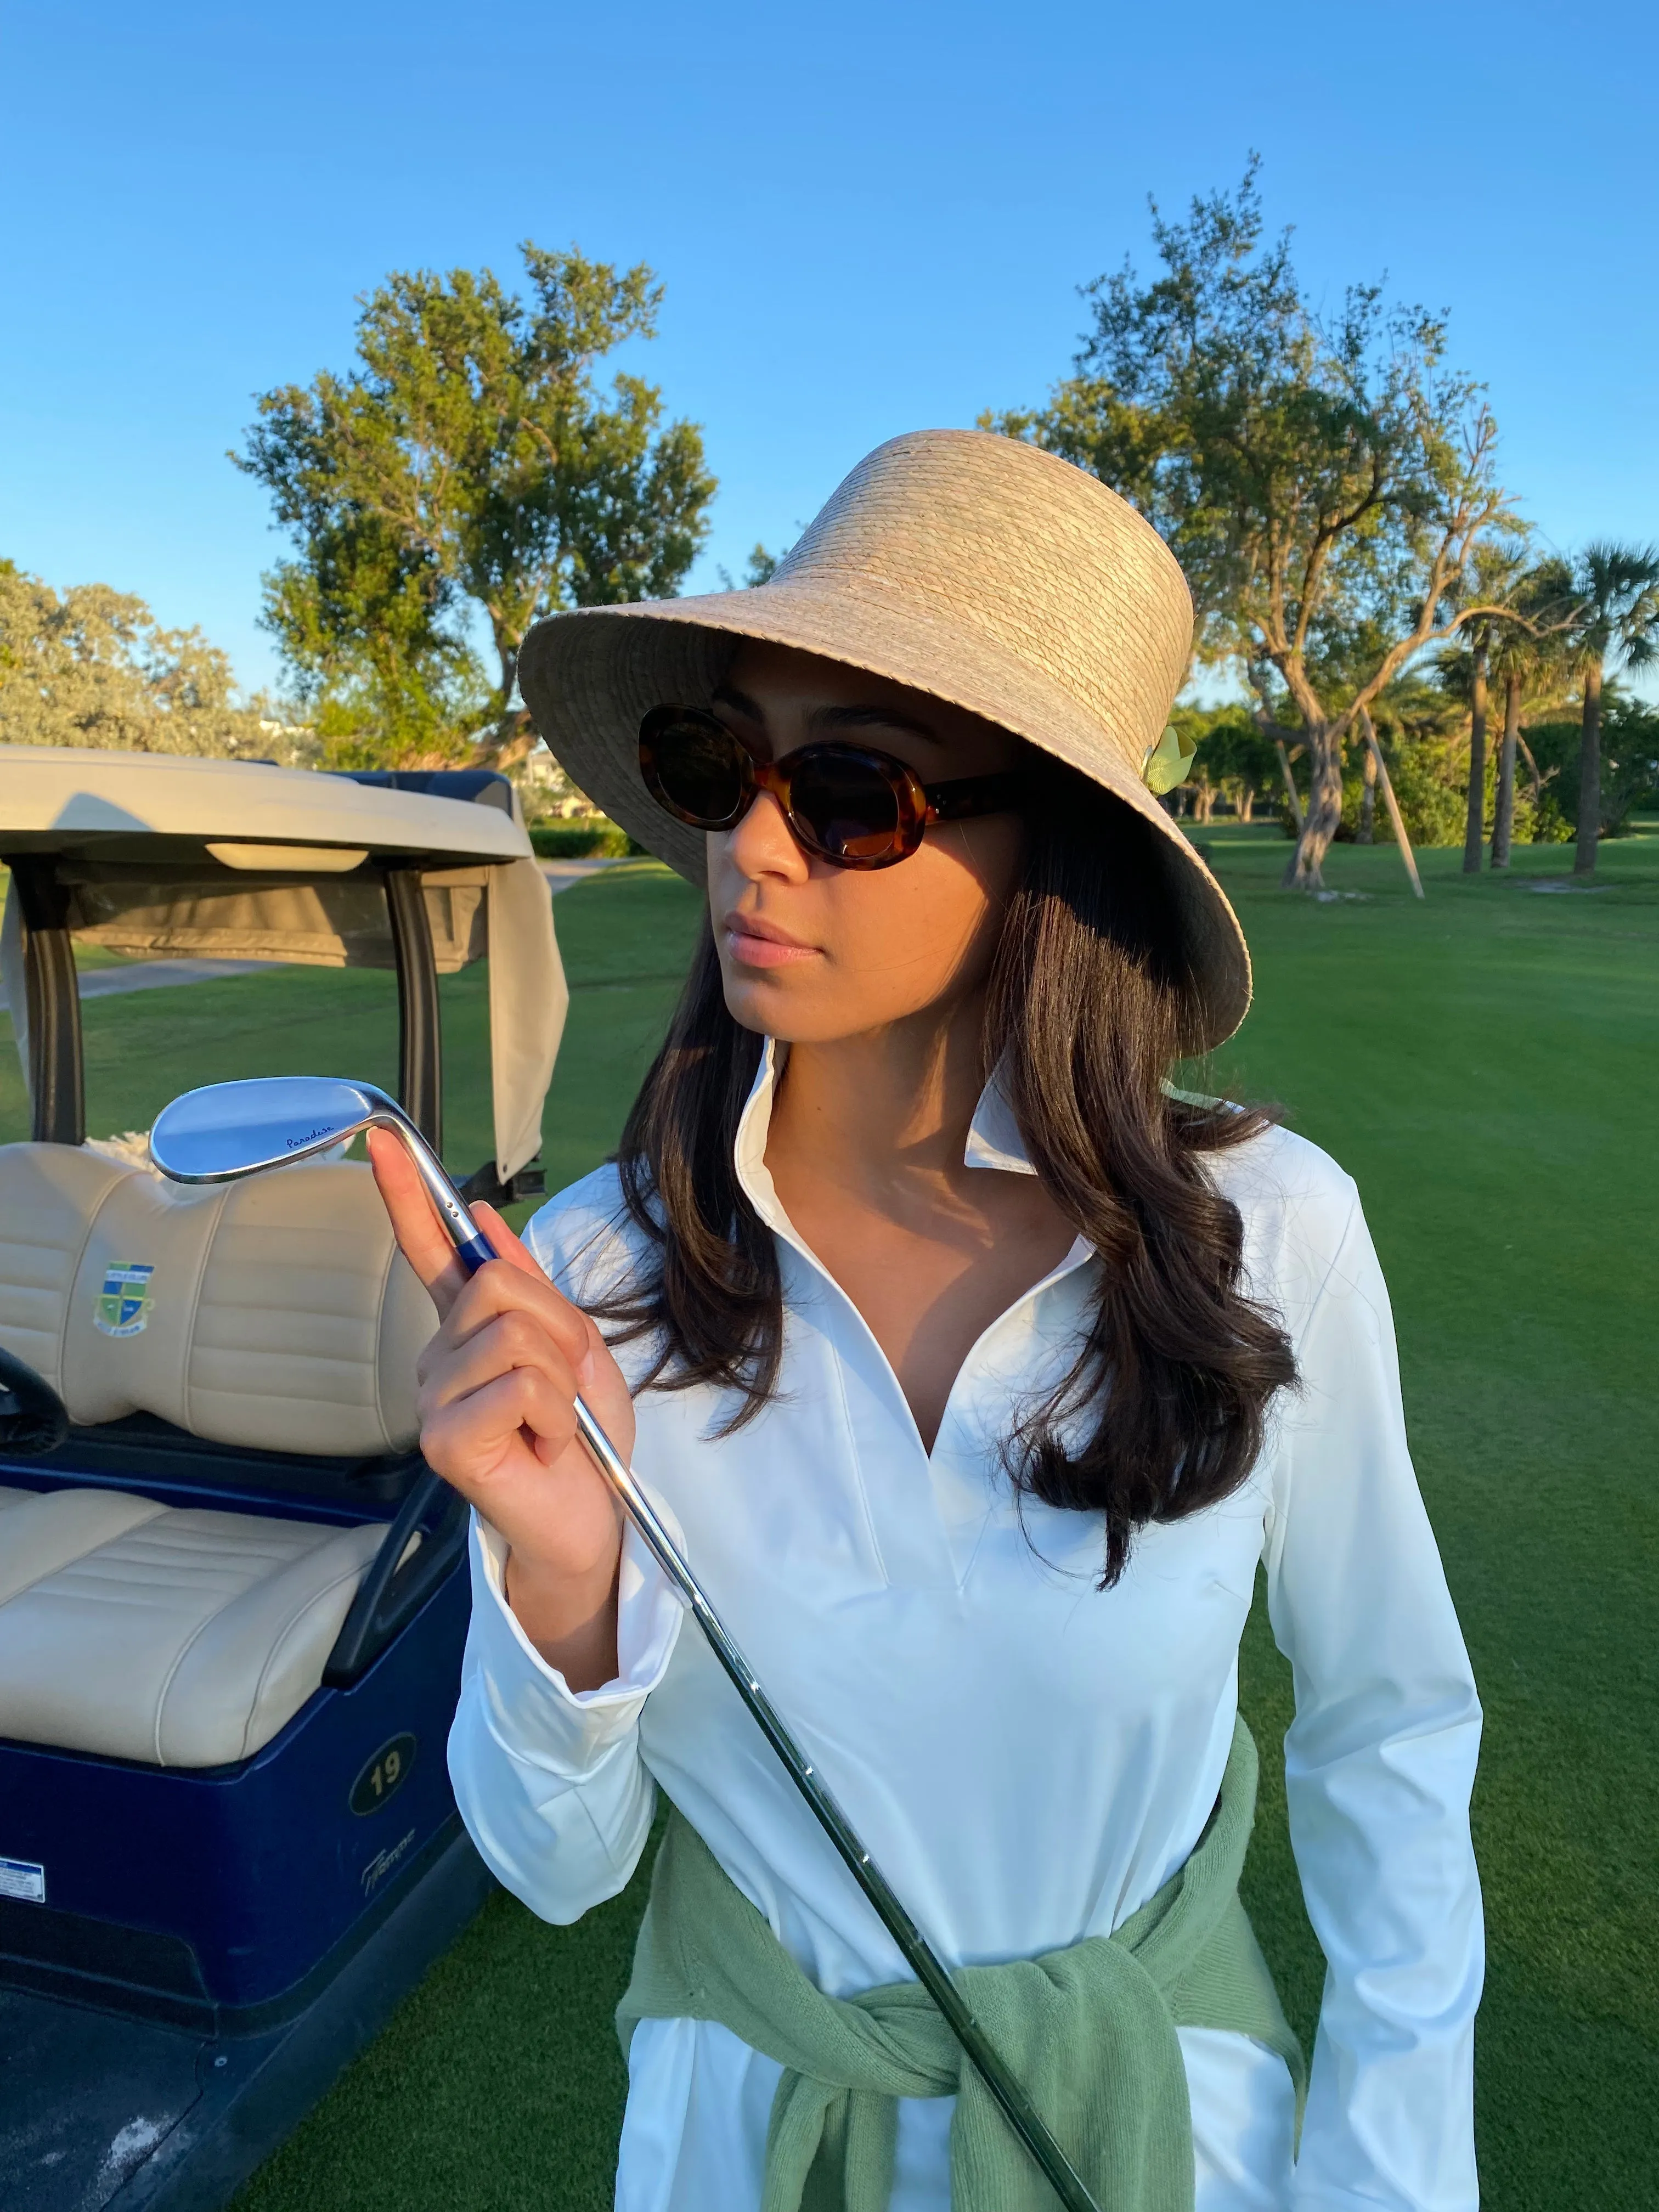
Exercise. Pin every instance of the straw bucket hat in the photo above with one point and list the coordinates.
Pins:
(968, 566)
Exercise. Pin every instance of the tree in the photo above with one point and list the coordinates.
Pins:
(1465, 669)
(1310, 475)
(92, 666)
(1617, 619)
(1628, 746)
(1235, 759)
(468, 473)
(362, 623)
(1525, 654)
(760, 568)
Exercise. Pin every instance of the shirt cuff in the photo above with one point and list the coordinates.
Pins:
(533, 1711)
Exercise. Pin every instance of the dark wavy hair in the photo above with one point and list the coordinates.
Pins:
(1085, 1020)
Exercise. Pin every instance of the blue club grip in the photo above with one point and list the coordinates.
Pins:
(474, 1254)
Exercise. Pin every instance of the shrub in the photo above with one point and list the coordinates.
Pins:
(1629, 763)
(594, 839)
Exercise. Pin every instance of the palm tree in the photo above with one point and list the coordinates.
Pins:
(1523, 654)
(1480, 644)
(1464, 668)
(1617, 619)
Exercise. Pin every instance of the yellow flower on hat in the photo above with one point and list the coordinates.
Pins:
(1167, 761)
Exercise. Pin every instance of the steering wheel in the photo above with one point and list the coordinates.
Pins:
(34, 1419)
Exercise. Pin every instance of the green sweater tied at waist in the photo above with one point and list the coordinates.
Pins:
(1090, 2030)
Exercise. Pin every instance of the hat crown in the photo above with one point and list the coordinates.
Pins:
(1038, 558)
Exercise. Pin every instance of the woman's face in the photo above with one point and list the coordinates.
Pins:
(810, 953)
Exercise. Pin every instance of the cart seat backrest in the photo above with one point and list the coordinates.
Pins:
(276, 1313)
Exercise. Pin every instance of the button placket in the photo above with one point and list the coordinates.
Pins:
(926, 1512)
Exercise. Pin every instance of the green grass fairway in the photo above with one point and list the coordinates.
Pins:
(1483, 1062)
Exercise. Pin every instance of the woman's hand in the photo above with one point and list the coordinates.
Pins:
(497, 1402)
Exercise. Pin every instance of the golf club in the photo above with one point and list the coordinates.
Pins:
(228, 1130)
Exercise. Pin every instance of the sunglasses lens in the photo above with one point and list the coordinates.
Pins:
(694, 769)
(849, 803)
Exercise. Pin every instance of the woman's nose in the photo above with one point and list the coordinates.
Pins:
(762, 844)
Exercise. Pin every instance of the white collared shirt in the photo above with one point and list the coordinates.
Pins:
(1027, 1758)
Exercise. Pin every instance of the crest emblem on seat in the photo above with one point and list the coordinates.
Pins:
(123, 1306)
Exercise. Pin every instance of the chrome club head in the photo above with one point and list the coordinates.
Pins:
(228, 1130)
(231, 1129)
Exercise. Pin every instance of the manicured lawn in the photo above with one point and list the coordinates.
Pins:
(1483, 1063)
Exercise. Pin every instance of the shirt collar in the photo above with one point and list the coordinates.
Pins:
(994, 1139)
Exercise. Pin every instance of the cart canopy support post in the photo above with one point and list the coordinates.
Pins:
(420, 1034)
(54, 1006)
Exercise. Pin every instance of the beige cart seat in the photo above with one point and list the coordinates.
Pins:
(177, 1637)
(274, 1314)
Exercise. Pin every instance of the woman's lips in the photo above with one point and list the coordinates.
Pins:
(756, 944)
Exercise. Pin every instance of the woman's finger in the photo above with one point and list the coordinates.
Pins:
(511, 1340)
(422, 1237)
(478, 1436)
(502, 1287)
(507, 1243)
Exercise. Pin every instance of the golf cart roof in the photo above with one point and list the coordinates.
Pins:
(57, 799)
(158, 857)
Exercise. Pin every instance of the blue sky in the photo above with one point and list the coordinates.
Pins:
(868, 219)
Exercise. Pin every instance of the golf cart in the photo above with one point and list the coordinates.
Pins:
(233, 1597)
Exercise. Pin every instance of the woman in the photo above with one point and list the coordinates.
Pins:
(979, 1368)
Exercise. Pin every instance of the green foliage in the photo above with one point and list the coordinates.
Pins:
(1327, 482)
(1426, 762)
(1312, 474)
(1427, 788)
(760, 568)
(1235, 761)
(1629, 762)
(1530, 637)
(1617, 587)
(94, 667)
(598, 839)
(362, 629)
(468, 471)
(1430, 784)
(1426, 747)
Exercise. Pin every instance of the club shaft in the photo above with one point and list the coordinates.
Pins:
(929, 1970)
(1022, 2117)
(470, 1244)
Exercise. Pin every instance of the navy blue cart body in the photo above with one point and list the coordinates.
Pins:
(213, 1895)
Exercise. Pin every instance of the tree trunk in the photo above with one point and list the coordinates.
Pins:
(1502, 817)
(1366, 833)
(1305, 871)
(1474, 821)
(1290, 791)
(1589, 774)
(1245, 804)
(1393, 805)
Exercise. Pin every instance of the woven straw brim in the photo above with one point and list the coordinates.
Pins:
(588, 677)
